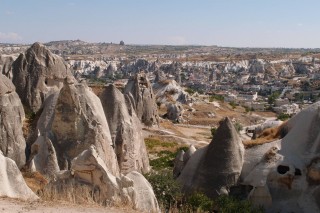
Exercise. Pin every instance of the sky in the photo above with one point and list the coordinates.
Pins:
(229, 23)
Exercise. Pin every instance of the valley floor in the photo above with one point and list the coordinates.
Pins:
(8, 205)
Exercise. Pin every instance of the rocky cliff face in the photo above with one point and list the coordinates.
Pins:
(37, 73)
(126, 131)
(6, 64)
(216, 167)
(78, 122)
(12, 142)
(142, 99)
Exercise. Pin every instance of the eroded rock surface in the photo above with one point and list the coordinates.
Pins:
(132, 188)
(142, 99)
(216, 167)
(12, 142)
(12, 183)
(126, 131)
(37, 73)
(79, 122)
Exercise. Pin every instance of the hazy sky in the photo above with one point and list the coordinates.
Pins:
(241, 23)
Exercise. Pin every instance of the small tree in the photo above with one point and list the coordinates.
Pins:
(122, 43)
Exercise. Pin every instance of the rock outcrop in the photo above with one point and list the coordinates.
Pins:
(170, 91)
(174, 112)
(6, 62)
(216, 167)
(36, 74)
(131, 189)
(142, 99)
(285, 174)
(12, 183)
(79, 122)
(12, 142)
(126, 131)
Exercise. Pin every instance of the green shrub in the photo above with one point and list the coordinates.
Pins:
(166, 189)
(233, 104)
(283, 116)
(190, 91)
(228, 204)
(213, 131)
(238, 126)
(216, 97)
(199, 202)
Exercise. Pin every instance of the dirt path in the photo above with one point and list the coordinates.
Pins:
(16, 206)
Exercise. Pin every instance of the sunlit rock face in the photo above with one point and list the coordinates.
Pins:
(36, 74)
(141, 97)
(126, 131)
(12, 142)
(216, 167)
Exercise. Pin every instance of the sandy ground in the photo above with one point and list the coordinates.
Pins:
(8, 205)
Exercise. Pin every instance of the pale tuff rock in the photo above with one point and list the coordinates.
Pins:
(12, 142)
(6, 64)
(188, 154)
(37, 73)
(79, 122)
(131, 189)
(142, 99)
(44, 158)
(178, 164)
(126, 131)
(174, 112)
(216, 167)
(170, 91)
(12, 183)
(288, 168)
(143, 197)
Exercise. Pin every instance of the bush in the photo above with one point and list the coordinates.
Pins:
(190, 91)
(238, 126)
(216, 97)
(233, 104)
(199, 202)
(228, 204)
(213, 131)
(283, 116)
(166, 189)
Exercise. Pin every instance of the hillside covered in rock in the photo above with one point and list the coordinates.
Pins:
(76, 136)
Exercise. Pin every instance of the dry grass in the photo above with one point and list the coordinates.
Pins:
(168, 125)
(268, 135)
(69, 191)
(35, 181)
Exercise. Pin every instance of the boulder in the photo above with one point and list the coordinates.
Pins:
(216, 167)
(12, 183)
(170, 91)
(36, 73)
(142, 99)
(12, 142)
(178, 164)
(130, 189)
(79, 122)
(143, 197)
(174, 112)
(126, 131)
